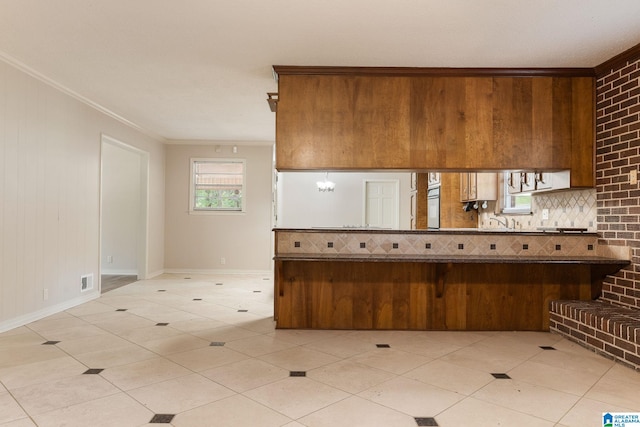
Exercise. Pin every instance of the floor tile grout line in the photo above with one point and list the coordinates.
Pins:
(315, 410)
(31, 416)
(120, 390)
(518, 411)
(142, 347)
(473, 395)
(584, 395)
(561, 391)
(162, 356)
(234, 393)
(535, 385)
(261, 333)
(28, 415)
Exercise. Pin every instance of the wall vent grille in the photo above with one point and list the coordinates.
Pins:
(86, 283)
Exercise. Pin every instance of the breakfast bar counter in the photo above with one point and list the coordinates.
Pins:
(433, 280)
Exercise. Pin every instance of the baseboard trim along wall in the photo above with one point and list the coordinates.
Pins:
(48, 311)
(154, 274)
(216, 271)
(123, 272)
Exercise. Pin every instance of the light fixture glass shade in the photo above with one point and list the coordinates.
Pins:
(326, 185)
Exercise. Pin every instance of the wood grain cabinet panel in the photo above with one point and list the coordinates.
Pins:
(342, 122)
(437, 123)
(478, 186)
(583, 134)
(424, 296)
(478, 123)
(422, 186)
(363, 120)
(451, 214)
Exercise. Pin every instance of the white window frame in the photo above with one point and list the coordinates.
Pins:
(216, 211)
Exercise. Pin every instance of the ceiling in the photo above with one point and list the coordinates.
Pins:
(200, 69)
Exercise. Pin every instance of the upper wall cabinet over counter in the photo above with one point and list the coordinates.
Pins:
(331, 118)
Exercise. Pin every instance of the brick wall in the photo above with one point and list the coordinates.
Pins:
(608, 330)
(618, 153)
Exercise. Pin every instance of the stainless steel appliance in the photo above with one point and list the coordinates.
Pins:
(433, 207)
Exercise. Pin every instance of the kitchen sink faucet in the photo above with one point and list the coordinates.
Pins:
(498, 220)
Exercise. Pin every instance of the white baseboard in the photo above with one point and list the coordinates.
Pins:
(215, 271)
(155, 274)
(119, 272)
(47, 311)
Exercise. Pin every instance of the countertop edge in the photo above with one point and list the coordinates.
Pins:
(465, 231)
(461, 259)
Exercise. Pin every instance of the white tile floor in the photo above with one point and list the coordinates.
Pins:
(243, 379)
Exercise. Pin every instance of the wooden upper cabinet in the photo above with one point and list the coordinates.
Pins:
(437, 122)
(429, 121)
(583, 166)
(338, 122)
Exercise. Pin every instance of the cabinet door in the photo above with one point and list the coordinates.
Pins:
(464, 187)
(487, 186)
(478, 186)
(528, 181)
(473, 186)
(342, 122)
(355, 121)
(553, 180)
(513, 182)
(543, 180)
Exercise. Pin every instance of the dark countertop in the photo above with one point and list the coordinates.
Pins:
(454, 259)
(467, 231)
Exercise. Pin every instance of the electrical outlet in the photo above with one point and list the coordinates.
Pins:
(223, 260)
(45, 294)
(633, 177)
(545, 213)
(109, 259)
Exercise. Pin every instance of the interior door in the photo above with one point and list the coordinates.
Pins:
(382, 208)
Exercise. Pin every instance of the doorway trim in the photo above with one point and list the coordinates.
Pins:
(396, 202)
(142, 260)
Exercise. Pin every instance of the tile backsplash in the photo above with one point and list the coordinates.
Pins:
(575, 208)
(436, 243)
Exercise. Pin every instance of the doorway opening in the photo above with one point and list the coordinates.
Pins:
(124, 181)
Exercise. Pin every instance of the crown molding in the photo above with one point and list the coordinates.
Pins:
(618, 61)
(279, 70)
(75, 95)
(221, 142)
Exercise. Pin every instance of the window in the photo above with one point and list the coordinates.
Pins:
(217, 185)
(518, 203)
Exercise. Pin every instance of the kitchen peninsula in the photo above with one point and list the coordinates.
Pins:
(433, 279)
(446, 120)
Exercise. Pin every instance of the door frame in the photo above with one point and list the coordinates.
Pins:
(142, 261)
(396, 191)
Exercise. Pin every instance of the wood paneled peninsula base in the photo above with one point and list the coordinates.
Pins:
(416, 291)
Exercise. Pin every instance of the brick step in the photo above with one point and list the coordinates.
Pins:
(610, 330)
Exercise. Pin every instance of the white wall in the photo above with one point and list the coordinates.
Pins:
(49, 196)
(196, 243)
(301, 205)
(121, 171)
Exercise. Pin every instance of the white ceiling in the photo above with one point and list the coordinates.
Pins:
(200, 69)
